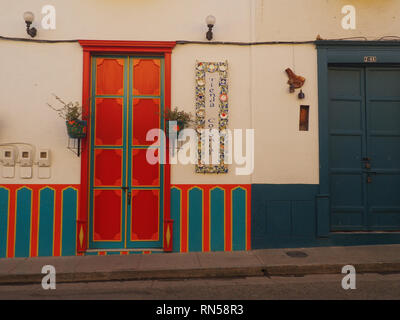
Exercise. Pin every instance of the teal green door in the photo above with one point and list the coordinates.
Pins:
(364, 148)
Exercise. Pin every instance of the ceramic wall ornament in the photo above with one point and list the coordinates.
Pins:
(211, 110)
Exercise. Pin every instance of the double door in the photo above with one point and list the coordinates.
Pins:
(364, 148)
(126, 190)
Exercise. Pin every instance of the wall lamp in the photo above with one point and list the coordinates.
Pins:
(210, 21)
(29, 17)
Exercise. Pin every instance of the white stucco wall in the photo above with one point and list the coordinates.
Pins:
(131, 19)
(29, 74)
(183, 97)
(287, 20)
(283, 154)
(258, 93)
(237, 20)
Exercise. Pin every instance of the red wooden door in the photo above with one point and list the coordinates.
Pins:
(126, 191)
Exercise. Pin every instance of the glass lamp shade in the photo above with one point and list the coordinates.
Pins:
(29, 16)
(210, 20)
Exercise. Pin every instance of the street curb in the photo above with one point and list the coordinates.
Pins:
(176, 274)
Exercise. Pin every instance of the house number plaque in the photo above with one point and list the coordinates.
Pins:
(370, 59)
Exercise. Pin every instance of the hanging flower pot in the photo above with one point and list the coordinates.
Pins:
(76, 128)
(180, 125)
(71, 112)
(183, 120)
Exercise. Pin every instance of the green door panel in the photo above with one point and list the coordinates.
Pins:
(364, 148)
(347, 147)
(383, 136)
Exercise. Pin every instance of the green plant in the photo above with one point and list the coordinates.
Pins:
(183, 119)
(69, 111)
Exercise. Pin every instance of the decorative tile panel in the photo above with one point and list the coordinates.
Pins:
(211, 111)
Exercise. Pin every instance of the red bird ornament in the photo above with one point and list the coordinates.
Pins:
(295, 81)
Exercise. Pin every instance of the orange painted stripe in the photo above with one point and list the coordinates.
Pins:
(184, 220)
(11, 223)
(206, 218)
(228, 219)
(57, 225)
(35, 223)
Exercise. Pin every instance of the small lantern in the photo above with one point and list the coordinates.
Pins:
(210, 21)
(28, 18)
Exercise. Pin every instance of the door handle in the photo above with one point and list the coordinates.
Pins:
(366, 161)
(129, 198)
(369, 178)
(129, 195)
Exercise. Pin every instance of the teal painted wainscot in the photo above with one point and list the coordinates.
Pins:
(286, 216)
(38, 220)
(211, 217)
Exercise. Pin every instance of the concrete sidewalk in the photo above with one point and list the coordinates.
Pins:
(269, 262)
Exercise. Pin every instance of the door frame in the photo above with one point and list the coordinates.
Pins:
(90, 47)
(367, 53)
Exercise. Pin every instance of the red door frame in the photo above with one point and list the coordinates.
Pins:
(128, 47)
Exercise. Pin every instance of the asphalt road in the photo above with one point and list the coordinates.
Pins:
(368, 286)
